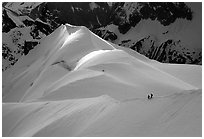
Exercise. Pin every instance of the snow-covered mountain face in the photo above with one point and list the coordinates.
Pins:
(167, 32)
(76, 84)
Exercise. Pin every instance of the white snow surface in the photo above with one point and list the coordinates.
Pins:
(77, 84)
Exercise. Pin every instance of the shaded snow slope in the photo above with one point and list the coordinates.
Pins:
(74, 82)
(174, 115)
(60, 113)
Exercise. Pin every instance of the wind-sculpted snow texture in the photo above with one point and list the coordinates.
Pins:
(76, 84)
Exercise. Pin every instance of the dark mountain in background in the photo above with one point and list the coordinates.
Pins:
(166, 32)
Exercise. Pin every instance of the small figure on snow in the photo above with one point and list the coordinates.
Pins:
(103, 70)
(150, 96)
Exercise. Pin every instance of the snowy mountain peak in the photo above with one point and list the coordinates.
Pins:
(93, 69)
(70, 48)
(152, 29)
(80, 83)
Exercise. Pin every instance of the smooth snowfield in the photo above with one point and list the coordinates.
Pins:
(76, 84)
(174, 115)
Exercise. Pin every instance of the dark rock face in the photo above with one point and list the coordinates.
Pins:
(8, 55)
(106, 34)
(7, 23)
(28, 45)
(165, 12)
(73, 13)
(168, 52)
(46, 17)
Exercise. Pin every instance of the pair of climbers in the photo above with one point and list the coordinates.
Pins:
(150, 96)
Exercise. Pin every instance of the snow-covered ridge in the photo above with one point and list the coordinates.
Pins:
(179, 42)
(76, 84)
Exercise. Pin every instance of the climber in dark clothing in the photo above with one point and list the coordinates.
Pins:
(150, 96)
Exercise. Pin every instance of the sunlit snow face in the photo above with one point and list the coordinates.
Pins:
(90, 56)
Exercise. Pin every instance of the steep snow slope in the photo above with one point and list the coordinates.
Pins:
(73, 83)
